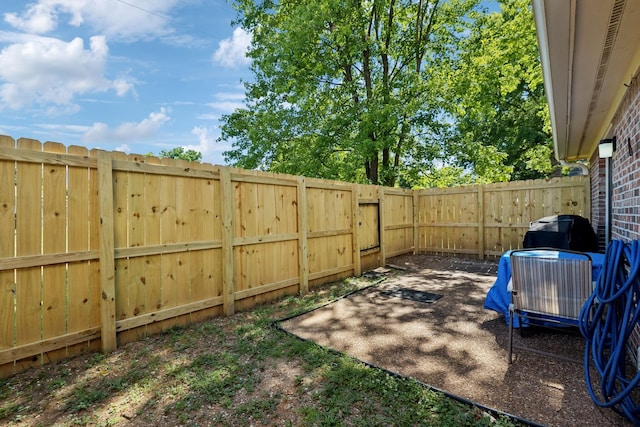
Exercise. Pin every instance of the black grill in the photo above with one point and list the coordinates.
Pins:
(562, 232)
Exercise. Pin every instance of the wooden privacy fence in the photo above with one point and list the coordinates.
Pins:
(487, 220)
(99, 248)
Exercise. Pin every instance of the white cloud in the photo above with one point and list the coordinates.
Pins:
(15, 37)
(208, 117)
(130, 131)
(236, 96)
(50, 71)
(115, 19)
(122, 87)
(62, 127)
(232, 52)
(227, 102)
(123, 148)
(38, 18)
(207, 145)
(226, 106)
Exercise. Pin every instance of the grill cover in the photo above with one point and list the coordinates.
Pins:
(562, 232)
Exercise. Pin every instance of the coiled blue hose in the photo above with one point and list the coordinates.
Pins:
(607, 320)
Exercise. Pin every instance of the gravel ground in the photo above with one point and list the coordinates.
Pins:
(455, 345)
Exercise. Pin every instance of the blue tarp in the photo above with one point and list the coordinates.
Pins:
(498, 298)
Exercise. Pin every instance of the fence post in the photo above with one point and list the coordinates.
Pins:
(355, 225)
(107, 261)
(303, 228)
(416, 219)
(381, 226)
(228, 280)
(481, 221)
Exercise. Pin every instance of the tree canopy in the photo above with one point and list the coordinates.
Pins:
(500, 118)
(181, 153)
(390, 91)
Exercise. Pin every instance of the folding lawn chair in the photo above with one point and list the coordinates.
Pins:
(549, 288)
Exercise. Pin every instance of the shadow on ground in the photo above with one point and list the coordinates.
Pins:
(455, 345)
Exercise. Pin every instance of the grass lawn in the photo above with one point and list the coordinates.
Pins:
(229, 371)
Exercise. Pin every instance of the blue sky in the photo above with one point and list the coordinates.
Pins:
(137, 76)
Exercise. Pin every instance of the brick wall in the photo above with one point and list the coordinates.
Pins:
(625, 198)
(598, 197)
(625, 202)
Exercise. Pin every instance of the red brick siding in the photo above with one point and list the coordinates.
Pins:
(625, 202)
(598, 197)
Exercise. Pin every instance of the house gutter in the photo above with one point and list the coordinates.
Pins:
(539, 14)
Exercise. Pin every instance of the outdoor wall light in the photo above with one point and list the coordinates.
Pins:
(606, 147)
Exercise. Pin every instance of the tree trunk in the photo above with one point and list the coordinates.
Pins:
(371, 166)
(388, 175)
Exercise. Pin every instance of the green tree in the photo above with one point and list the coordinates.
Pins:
(345, 89)
(180, 153)
(498, 109)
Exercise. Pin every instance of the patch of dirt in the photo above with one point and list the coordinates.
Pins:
(455, 345)
(143, 385)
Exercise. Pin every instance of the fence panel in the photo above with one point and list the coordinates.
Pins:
(490, 219)
(398, 222)
(46, 302)
(265, 235)
(329, 228)
(448, 220)
(167, 237)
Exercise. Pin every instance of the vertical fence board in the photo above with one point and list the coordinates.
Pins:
(271, 254)
(120, 237)
(136, 218)
(196, 219)
(228, 263)
(321, 222)
(184, 198)
(209, 230)
(94, 243)
(28, 242)
(344, 223)
(536, 205)
(355, 230)
(107, 263)
(215, 267)
(287, 223)
(331, 220)
(415, 198)
(481, 219)
(54, 277)
(381, 222)
(152, 279)
(315, 209)
(79, 219)
(7, 248)
(169, 261)
(302, 225)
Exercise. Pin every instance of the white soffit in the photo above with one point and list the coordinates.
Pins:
(589, 50)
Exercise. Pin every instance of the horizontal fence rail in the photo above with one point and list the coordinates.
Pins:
(100, 248)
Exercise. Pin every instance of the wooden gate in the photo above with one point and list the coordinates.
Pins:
(369, 228)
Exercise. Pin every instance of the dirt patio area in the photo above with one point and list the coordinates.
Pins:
(455, 345)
